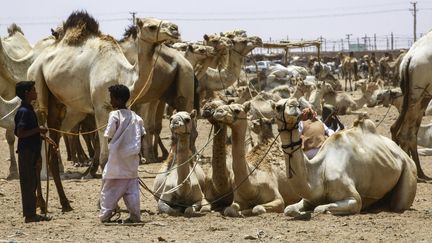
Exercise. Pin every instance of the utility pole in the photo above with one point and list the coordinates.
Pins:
(133, 17)
(387, 43)
(392, 40)
(414, 11)
(365, 41)
(348, 39)
(375, 47)
(342, 45)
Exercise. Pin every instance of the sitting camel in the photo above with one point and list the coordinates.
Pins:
(256, 183)
(343, 102)
(220, 180)
(354, 169)
(178, 189)
(392, 97)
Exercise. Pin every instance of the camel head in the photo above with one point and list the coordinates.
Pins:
(234, 33)
(14, 28)
(210, 107)
(182, 122)
(201, 50)
(261, 125)
(220, 44)
(244, 45)
(157, 31)
(230, 114)
(287, 113)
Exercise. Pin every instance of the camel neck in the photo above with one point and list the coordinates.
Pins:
(265, 134)
(145, 64)
(219, 169)
(183, 153)
(240, 166)
(297, 162)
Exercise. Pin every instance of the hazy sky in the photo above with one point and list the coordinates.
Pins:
(276, 19)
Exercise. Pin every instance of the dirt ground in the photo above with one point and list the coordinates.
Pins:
(82, 224)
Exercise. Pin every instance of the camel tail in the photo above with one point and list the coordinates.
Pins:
(196, 94)
(404, 85)
(35, 74)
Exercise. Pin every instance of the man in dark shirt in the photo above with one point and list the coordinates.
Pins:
(29, 146)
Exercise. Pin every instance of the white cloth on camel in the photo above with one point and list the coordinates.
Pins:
(125, 129)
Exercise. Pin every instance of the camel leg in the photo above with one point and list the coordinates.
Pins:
(101, 151)
(275, 206)
(13, 169)
(404, 192)
(342, 207)
(165, 208)
(298, 209)
(40, 202)
(67, 145)
(147, 111)
(157, 131)
(233, 210)
(54, 121)
(88, 124)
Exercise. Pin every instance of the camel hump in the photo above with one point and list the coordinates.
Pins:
(365, 123)
(79, 26)
(13, 28)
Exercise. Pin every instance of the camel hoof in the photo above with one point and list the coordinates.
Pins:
(258, 210)
(320, 209)
(67, 208)
(231, 212)
(205, 209)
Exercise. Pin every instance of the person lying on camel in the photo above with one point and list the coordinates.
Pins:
(313, 132)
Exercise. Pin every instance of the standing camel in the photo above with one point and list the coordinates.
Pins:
(416, 85)
(76, 72)
(349, 69)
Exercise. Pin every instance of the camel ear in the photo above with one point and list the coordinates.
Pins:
(139, 23)
(174, 111)
(246, 106)
(206, 37)
(193, 114)
(273, 104)
(189, 48)
(230, 101)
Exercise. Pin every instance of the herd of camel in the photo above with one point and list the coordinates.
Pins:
(355, 168)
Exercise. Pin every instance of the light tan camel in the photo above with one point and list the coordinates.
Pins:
(215, 79)
(173, 78)
(16, 55)
(179, 187)
(15, 44)
(349, 69)
(222, 46)
(90, 62)
(344, 103)
(416, 87)
(392, 97)
(8, 109)
(220, 179)
(354, 169)
(255, 182)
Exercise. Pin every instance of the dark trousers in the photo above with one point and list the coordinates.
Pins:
(28, 180)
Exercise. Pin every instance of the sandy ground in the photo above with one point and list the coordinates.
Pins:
(82, 224)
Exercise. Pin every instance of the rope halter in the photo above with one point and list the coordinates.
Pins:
(293, 146)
